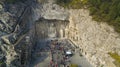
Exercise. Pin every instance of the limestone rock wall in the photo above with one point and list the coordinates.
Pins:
(50, 28)
(95, 39)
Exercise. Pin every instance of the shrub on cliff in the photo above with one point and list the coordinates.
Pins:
(13, 1)
(116, 57)
(101, 10)
(71, 3)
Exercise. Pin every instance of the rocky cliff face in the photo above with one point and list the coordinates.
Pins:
(15, 34)
(53, 19)
(94, 39)
(19, 29)
(50, 28)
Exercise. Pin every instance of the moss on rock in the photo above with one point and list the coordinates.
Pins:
(116, 57)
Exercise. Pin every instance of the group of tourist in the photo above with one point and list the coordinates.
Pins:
(58, 55)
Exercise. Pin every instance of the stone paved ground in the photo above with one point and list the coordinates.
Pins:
(80, 60)
(44, 60)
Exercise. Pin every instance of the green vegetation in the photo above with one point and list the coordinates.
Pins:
(106, 10)
(2, 64)
(14, 1)
(101, 10)
(73, 65)
(75, 4)
(11, 1)
(116, 57)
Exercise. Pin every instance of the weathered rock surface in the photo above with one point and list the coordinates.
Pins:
(95, 39)
(47, 9)
(18, 28)
(15, 21)
(54, 11)
(49, 28)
